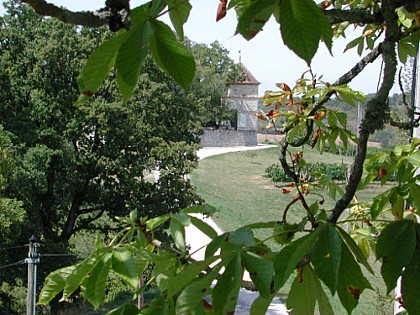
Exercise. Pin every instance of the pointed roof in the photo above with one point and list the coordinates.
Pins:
(246, 76)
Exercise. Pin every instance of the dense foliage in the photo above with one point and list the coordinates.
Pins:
(214, 69)
(66, 168)
(324, 256)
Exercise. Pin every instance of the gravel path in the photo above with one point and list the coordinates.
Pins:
(196, 240)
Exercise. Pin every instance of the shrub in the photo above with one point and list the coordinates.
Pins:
(336, 171)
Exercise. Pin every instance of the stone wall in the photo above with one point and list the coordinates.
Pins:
(228, 138)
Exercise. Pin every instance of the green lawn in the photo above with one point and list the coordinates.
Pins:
(236, 185)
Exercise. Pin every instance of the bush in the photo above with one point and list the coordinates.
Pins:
(335, 171)
(350, 150)
(276, 173)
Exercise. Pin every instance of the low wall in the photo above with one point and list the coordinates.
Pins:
(228, 138)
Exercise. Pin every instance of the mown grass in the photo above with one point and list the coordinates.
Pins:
(240, 190)
(236, 185)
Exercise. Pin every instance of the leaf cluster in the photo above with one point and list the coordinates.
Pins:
(185, 283)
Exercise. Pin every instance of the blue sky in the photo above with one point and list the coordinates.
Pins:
(265, 55)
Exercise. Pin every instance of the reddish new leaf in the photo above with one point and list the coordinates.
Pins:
(221, 10)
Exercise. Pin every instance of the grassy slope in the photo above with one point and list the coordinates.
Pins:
(236, 185)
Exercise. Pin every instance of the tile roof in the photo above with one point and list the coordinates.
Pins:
(246, 77)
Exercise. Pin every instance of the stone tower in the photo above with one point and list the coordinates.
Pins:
(242, 96)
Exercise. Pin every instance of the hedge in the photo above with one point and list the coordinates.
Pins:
(335, 171)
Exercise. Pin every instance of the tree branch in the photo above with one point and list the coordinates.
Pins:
(358, 68)
(373, 120)
(83, 18)
(353, 16)
(85, 223)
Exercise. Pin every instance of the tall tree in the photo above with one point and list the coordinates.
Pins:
(214, 71)
(91, 158)
(77, 167)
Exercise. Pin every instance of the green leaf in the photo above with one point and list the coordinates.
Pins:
(360, 47)
(93, 287)
(128, 265)
(54, 283)
(298, 31)
(226, 290)
(302, 295)
(131, 57)
(261, 225)
(344, 139)
(242, 236)
(155, 8)
(126, 309)
(98, 66)
(175, 59)
(342, 118)
(351, 281)
(261, 272)
(414, 198)
(165, 266)
(253, 16)
(363, 244)
(313, 92)
(177, 231)
(332, 138)
(204, 227)
(348, 95)
(305, 291)
(324, 304)
(404, 50)
(396, 245)
(260, 305)
(333, 188)
(410, 284)
(215, 245)
(189, 300)
(379, 202)
(188, 274)
(332, 119)
(156, 222)
(158, 306)
(204, 209)
(179, 10)
(288, 258)
(83, 270)
(370, 43)
(183, 218)
(353, 43)
(326, 257)
(414, 158)
(397, 204)
(354, 248)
